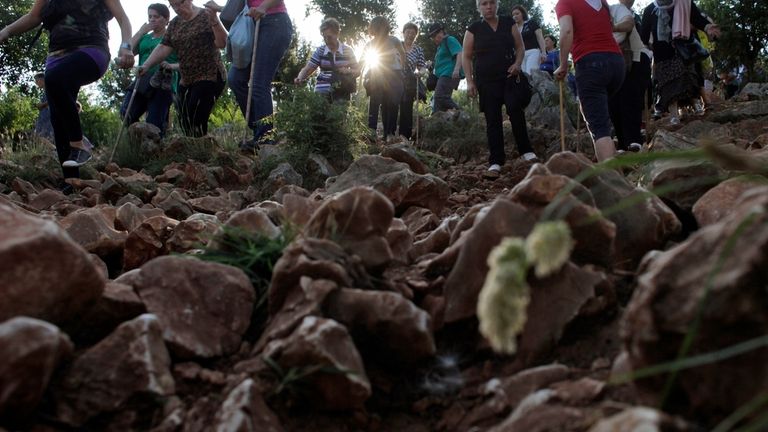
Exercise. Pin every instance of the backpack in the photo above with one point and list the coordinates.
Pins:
(240, 40)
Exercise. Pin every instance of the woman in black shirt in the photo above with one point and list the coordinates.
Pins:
(493, 71)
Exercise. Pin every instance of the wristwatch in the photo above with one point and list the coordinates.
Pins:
(125, 45)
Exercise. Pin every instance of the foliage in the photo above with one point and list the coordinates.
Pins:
(33, 160)
(99, 124)
(19, 58)
(354, 15)
(112, 86)
(458, 136)
(294, 379)
(745, 31)
(17, 113)
(311, 124)
(293, 61)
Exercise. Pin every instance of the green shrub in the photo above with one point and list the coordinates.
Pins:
(312, 125)
(17, 113)
(100, 125)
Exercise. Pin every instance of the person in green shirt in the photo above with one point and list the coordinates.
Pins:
(447, 67)
(154, 89)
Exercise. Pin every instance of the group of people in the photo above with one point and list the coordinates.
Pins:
(611, 48)
(181, 55)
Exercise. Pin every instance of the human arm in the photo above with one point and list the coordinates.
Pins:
(466, 59)
(519, 52)
(401, 53)
(219, 32)
(136, 39)
(124, 54)
(158, 55)
(542, 46)
(304, 73)
(257, 12)
(455, 49)
(566, 42)
(26, 22)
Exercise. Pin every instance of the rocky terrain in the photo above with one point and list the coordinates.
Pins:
(196, 300)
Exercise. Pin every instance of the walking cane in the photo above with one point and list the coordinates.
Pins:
(562, 120)
(250, 79)
(125, 118)
(416, 77)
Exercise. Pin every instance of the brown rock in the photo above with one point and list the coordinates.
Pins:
(641, 227)
(31, 351)
(23, 188)
(323, 343)
(130, 216)
(192, 233)
(535, 413)
(298, 209)
(128, 369)
(719, 201)
(404, 152)
(212, 204)
(358, 220)
(46, 199)
(385, 326)
(435, 242)
(717, 278)
(400, 241)
(94, 232)
(204, 308)
(118, 304)
(147, 241)
(503, 218)
(175, 205)
(396, 181)
(253, 220)
(641, 419)
(70, 284)
(244, 410)
(420, 220)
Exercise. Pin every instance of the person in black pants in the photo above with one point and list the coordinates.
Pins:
(416, 64)
(78, 54)
(493, 53)
(386, 78)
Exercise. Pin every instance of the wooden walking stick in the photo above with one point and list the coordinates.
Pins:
(250, 79)
(562, 120)
(125, 118)
(416, 110)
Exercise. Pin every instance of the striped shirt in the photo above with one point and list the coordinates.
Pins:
(326, 60)
(416, 58)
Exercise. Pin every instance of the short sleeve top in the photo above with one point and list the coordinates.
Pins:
(193, 41)
(529, 34)
(592, 28)
(445, 57)
(494, 51)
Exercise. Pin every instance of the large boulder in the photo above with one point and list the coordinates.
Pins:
(31, 351)
(129, 370)
(147, 241)
(719, 201)
(339, 381)
(204, 308)
(396, 181)
(713, 284)
(643, 226)
(43, 273)
(358, 220)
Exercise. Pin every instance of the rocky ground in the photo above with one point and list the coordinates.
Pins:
(354, 307)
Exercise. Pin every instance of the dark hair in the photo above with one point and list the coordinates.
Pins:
(40, 75)
(554, 39)
(410, 25)
(522, 10)
(380, 26)
(330, 23)
(161, 9)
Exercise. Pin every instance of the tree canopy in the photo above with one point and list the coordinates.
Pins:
(19, 57)
(744, 28)
(354, 15)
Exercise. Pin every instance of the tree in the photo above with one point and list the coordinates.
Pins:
(20, 58)
(745, 31)
(354, 15)
(112, 86)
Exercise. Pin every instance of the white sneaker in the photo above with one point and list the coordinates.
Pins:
(494, 172)
(674, 120)
(635, 147)
(494, 167)
(529, 156)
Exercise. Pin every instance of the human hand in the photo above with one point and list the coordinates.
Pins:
(257, 12)
(455, 75)
(713, 31)
(124, 58)
(471, 89)
(513, 70)
(212, 5)
(4, 35)
(560, 72)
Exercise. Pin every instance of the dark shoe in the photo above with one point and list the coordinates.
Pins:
(167, 80)
(250, 146)
(77, 157)
(66, 189)
(157, 79)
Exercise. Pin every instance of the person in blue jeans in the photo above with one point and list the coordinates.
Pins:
(153, 100)
(275, 33)
(587, 31)
(78, 54)
(447, 67)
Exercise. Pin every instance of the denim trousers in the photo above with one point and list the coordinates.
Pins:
(598, 77)
(444, 94)
(156, 107)
(275, 33)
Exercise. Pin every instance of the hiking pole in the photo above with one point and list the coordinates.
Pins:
(416, 111)
(250, 79)
(562, 120)
(125, 119)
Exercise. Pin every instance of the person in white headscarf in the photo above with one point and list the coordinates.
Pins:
(663, 22)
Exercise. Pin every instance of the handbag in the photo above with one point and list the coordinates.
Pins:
(431, 81)
(690, 50)
(144, 87)
(230, 12)
(520, 89)
(342, 84)
(240, 40)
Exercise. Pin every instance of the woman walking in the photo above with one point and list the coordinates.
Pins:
(533, 39)
(494, 47)
(197, 36)
(78, 54)
(386, 77)
(416, 63)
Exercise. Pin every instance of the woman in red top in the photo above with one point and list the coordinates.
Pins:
(587, 31)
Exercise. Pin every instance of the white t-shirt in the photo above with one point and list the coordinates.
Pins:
(619, 13)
